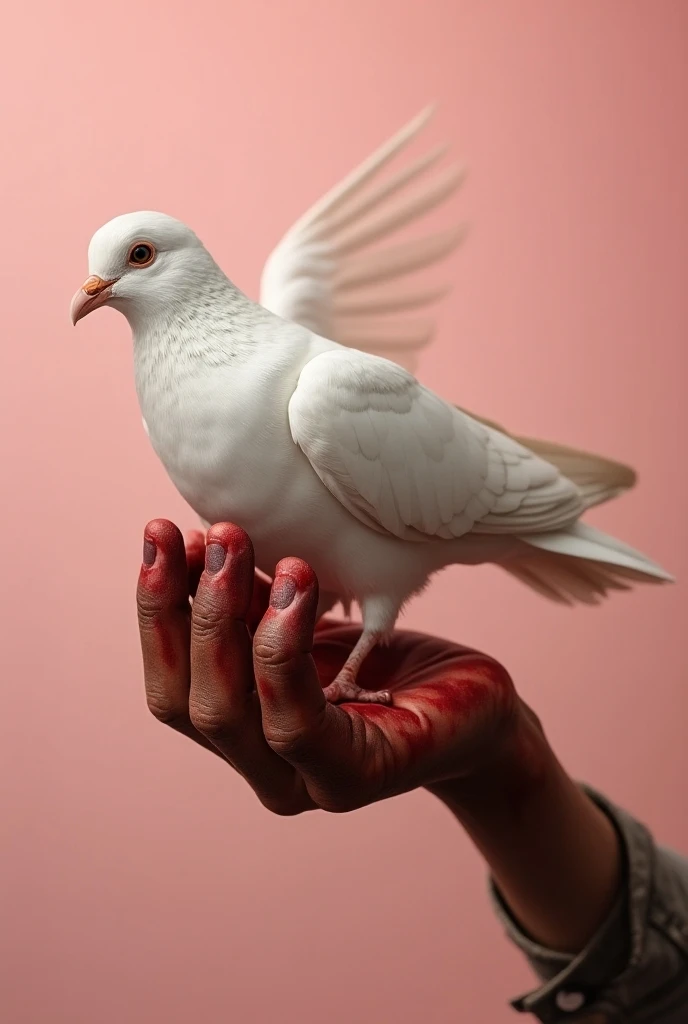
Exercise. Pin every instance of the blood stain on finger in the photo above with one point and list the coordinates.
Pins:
(227, 653)
(154, 578)
(195, 542)
(166, 645)
(301, 573)
(267, 690)
(195, 558)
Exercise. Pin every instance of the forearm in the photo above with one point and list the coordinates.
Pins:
(553, 854)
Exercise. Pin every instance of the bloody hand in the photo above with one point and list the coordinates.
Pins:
(241, 670)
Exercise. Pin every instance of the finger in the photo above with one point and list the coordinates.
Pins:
(223, 704)
(163, 614)
(298, 722)
(222, 673)
(195, 558)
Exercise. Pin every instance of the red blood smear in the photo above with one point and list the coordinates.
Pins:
(232, 656)
(195, 558)
(459, 690)
(154, 578)
(232, 586)
(303, 575)
(413, 729)
(169, 655)
(232, 538)
(224, 657)
(291, 623)
(267, 690)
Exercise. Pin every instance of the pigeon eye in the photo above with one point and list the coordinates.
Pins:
(141, 255)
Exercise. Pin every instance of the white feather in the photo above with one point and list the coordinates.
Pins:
(323, 273)
(410, 445)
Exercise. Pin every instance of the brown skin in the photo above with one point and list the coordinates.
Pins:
(241, 669)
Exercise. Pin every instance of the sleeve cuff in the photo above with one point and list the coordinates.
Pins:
(575, 984)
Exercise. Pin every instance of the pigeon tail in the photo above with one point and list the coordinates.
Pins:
(581, 565)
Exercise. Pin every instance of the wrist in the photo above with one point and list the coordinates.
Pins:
(553, 854)
(519, 765)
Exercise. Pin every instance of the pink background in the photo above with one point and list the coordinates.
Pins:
(141, 880)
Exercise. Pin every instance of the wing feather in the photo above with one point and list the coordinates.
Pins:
(333, 271)
(404, 461)
(598, 478)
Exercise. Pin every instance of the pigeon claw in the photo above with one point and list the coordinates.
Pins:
(345, 691)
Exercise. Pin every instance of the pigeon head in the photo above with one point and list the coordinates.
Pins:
(139, 263)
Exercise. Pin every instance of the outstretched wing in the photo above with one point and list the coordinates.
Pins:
(406, 463)
(328, 274)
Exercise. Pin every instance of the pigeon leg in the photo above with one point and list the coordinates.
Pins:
(345, 688)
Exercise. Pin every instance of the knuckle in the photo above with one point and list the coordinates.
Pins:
(288, 744)
(167, 712)
(148, 607)
(301, 742)
(210, 721)
(270, 654)
(206, 622)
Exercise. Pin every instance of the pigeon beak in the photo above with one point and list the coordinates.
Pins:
(93, 293)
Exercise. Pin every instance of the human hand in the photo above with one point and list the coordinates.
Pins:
(240, 669)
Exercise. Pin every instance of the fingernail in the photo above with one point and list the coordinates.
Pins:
(215, 556)
(283, 590)
(149, 551)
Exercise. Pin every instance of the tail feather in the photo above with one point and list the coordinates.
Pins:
(581, 565)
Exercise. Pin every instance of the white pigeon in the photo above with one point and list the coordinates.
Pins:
(336, 455)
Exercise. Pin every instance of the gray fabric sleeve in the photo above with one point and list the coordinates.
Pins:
(635, 969)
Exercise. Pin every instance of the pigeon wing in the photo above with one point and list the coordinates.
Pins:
(407, 463)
